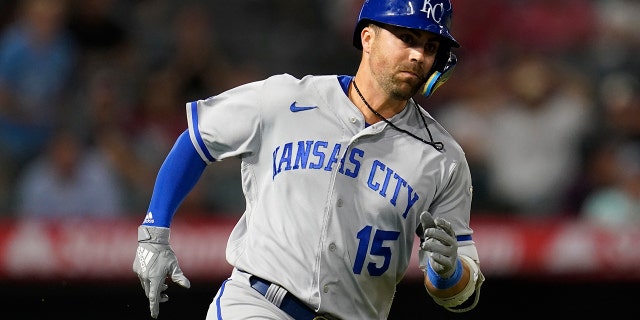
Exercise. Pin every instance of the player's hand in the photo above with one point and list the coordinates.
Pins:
(440, 244)
(154, 261)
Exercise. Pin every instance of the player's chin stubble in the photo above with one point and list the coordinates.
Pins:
(404, 91)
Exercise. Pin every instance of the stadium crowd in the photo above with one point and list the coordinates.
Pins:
(545, 99)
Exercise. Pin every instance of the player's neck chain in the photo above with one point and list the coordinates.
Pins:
(436, 145)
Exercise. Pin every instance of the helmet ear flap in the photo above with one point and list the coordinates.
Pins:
(441, 71)
(442, 57)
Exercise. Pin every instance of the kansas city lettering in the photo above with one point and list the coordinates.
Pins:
(320, 155)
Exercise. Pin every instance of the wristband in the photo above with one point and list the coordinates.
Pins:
(441, 283)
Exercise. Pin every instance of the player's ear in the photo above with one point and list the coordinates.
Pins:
(367, 34)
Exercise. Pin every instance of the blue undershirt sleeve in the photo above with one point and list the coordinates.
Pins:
(179, 173)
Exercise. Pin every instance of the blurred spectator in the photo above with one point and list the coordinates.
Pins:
(340, 17)
(194, 67)
(156, 121)
(69, 180)
(615, 46)
(97, 30)
(535, 138)
(159, 117)
(159, 120)
(7, 9)
(469, 118)
(618, 120)
(482, 29)
(151, 26)
(198, 67)
(617, 203)
(266, 24)
(36, 63)
(597, 170)
(560, 29)
(619, 97)
(104, 115)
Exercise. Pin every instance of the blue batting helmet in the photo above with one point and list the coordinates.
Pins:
(429, 15)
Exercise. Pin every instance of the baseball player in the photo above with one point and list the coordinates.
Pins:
(341, 174)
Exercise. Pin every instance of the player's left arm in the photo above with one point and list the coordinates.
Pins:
(452, 274)
(449, 260)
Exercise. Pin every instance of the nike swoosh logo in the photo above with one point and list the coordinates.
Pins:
(295, 108)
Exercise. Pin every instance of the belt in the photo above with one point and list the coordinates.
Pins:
(284, 300)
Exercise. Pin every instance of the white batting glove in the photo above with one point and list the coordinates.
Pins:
(440, 244)
(154, 261)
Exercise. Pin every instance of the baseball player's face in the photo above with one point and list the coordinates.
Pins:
(401, 58)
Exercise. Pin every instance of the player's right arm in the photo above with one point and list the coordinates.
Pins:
(155, 259)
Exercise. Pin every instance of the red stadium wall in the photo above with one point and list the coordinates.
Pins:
(80, 269)
(81, 249)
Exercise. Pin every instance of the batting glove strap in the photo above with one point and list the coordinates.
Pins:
(444, 283)
(149, 234)
(475, 282)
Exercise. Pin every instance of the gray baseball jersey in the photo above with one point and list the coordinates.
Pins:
(332, 205)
